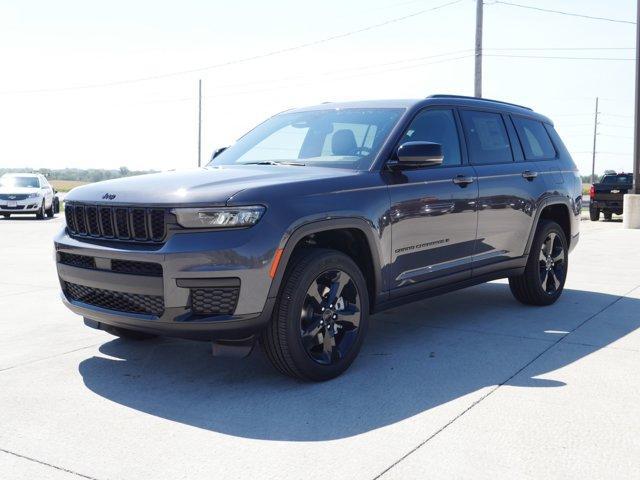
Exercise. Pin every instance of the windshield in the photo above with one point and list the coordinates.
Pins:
(19, 182)
(617, 179)
(349, 138)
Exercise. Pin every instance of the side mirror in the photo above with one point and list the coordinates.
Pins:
(420, 154)
(218, 152)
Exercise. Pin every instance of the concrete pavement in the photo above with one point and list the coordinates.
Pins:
(467, 385)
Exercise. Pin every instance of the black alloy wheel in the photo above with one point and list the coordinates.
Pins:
(552, 264)
(330, 317)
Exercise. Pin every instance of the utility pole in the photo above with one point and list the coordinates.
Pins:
(636, 142)
(631, 203)
(199, 122)
(477, 91)
(595, 134)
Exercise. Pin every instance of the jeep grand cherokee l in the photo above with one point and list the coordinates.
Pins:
(320, 217)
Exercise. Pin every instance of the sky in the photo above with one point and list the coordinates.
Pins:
(89, 84)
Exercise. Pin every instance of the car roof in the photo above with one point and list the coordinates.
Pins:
(441, 99)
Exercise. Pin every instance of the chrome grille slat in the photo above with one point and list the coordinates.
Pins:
(132, 224)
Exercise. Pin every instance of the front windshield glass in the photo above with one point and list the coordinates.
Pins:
(346, 138)
(19, 182)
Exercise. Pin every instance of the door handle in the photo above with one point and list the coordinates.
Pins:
(529, 175)
(462, 180)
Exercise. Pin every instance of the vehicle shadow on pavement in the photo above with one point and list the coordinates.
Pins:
(416, 357)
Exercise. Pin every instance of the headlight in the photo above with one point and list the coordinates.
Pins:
(34, 195)
(219, 217)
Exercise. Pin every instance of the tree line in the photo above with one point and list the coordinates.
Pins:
(79, 174)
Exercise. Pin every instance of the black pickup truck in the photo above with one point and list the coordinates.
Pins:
(607, 195)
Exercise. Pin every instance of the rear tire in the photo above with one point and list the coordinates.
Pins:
(594, 214)
(321, 316)
(126, 333)
(544, 276)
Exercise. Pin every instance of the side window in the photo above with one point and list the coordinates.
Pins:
(437, 126)
(534, 139)
(487, 137)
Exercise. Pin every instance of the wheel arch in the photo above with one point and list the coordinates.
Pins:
(557, 209)
(334, 233)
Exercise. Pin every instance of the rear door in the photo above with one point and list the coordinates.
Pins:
(508, 189)
(433, 215)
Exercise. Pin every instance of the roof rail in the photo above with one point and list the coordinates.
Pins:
(479, 98)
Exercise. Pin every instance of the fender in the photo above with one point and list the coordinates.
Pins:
(547, 202)
(289, 241)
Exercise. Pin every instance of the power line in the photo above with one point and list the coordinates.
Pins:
(560, 12)
(240, 60)
(557, 48)
(342, 70)
(316, 78)
(558, 57)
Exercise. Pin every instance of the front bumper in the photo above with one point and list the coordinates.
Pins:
(189, 260)
(29, 205)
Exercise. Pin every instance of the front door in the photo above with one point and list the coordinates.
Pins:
(433, 209)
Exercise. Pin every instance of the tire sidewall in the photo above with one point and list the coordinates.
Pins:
(326, 261)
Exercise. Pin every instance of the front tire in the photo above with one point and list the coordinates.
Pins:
(543, 279)
(321, 316)
(594, 214)
(608, 216)
(41, 213)
(51, 211)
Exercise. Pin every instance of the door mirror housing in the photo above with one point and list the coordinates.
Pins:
(419, 154)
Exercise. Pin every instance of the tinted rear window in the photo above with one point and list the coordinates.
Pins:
(535, 140)
(617, 179)
(487, 137)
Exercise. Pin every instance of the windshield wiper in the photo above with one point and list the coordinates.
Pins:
(271, 162)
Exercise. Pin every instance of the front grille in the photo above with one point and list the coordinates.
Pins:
(214, 300)
(14, 196)
(134, 224)
(147, 269)
(118, 301)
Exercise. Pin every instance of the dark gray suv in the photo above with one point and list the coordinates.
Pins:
(318, 218)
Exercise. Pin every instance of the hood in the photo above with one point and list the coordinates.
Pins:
(202, 186)
(19, 190)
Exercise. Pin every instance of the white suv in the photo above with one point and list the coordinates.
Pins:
(22, 193)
